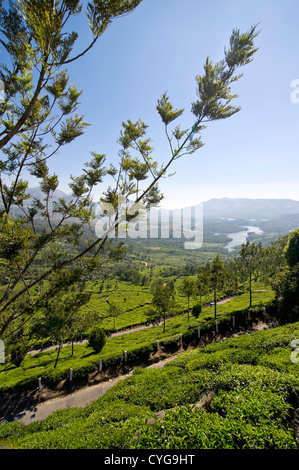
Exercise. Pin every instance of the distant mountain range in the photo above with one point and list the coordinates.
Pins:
(226, 208)
(242, 208)
(38, 194)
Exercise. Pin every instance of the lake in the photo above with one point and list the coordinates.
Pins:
(239, 238)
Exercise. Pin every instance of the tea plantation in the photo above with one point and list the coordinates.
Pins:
(248, 384)
(137, 343)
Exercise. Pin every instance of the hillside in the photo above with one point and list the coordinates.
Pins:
(241, 393)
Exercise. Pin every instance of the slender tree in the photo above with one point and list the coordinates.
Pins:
(249, 264)
(58, 317)
(218, 277)
(187, 290)
(163, 299)
(202, 283)
(114, 311)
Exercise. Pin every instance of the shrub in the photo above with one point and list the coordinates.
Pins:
(97, 339)
(196, 310)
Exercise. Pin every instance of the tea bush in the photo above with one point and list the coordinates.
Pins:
(188, 428)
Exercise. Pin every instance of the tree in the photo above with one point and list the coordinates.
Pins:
(39, 117)
(249, 263)
(286, 287)
(285, 281)
(291, 251)
(114, 311)
(218, 277)
(78, 324)
(273, 260)
(202, 283)
(187, 290)
(17, 347)
(59, 317)
(163, 299)
(232, 284)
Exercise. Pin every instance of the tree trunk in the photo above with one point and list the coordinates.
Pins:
(215, 302)
(250, 291)
(57, 357)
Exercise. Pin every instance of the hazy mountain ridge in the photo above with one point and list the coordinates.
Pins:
(38, 194)
(227, 208)
(250, 208)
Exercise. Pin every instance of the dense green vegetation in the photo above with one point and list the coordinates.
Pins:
(62, 279)
(251, 380)
(83, 359)
(237, 374)
(247, 385)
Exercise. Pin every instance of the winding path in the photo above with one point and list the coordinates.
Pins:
(77, 399)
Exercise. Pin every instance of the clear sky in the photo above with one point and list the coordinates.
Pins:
(162, 46)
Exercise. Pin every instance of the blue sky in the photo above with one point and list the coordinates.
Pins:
(162, 46)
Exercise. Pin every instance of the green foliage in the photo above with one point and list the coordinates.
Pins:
(39, 116)
(97, 339)
(292, 249)
(186, 428)
(249, 264)
(84, 360)
(187, 289)
(286, 286)
(17, 354)
(163, 298)
(250, 407)
(167, 111)
(214, 86)
(196, 310)
(44, 254)
(285, 280)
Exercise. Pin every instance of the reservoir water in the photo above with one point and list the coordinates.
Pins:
(239, 238)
